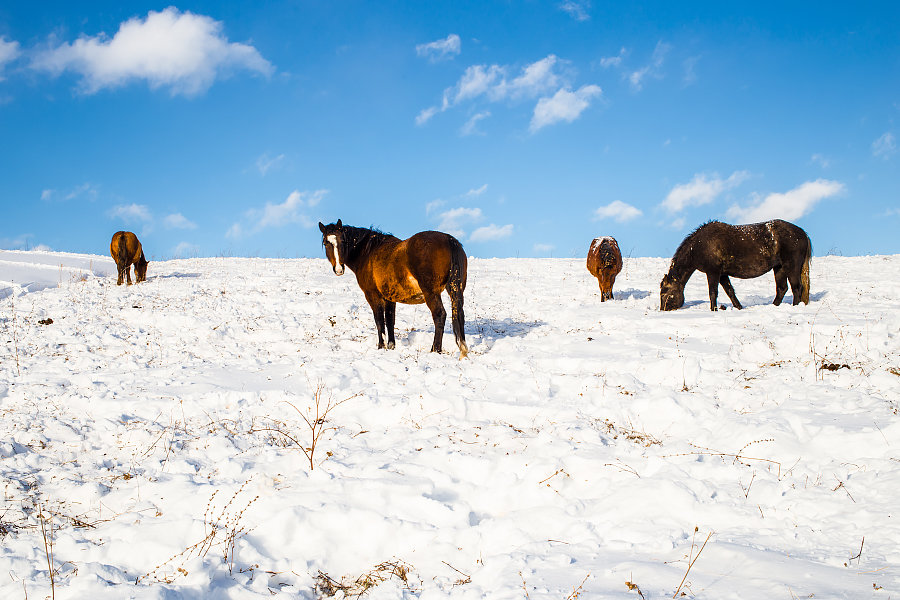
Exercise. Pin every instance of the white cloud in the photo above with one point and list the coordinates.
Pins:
(618, 211)
(789, 205)
(433, 206)
(84, 191)
(613, 61)
(690, 74)
(577, 9)
(471, 126)
(180, 51)
(491, 233)
(477, 191)
(476, 80)
(185, 250)
(820, 160)
(536, 78)
(565, 105)
(453, 220)
(652, 69)
(702, 189)
(440, 49)
(490, 82)
(178, 221)
(425, 115)
(9, 51)
(543, 248)
(884, 146)
(277, 215)
(131, 213)
(265, 163)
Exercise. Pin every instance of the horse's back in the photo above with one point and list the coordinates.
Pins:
(125, 243)
(407, 270)
(604, 253)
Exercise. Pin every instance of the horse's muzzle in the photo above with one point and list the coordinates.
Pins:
(338, 270)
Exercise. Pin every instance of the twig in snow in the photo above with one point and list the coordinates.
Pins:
(691, 560)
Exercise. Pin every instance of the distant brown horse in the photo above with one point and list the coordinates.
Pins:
(745, 251)
(604, 261)
(126, 251)
(411, 271)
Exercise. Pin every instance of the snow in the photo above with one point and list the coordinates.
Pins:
(581, 447)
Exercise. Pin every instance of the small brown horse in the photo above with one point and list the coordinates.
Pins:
(411, 271)
(604, 261)
(126, 251)
(745, 251)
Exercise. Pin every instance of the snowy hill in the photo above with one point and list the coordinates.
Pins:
(154, 439)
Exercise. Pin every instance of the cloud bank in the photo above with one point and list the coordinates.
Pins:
(183, 52)
(618, 211)
(492, 83)
(702, 189)
(789, 205)
(292, 210)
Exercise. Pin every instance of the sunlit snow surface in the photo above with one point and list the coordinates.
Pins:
(156, 429)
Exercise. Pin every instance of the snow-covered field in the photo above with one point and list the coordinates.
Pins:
(154, 438)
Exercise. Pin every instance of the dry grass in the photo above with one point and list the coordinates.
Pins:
(356, 587)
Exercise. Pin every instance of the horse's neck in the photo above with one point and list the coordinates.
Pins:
(681, 269)
(360, 244)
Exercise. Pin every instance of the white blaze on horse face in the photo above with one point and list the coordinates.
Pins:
(338, 265)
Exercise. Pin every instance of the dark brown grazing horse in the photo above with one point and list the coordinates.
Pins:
(745, 251)
(411, 271)
(126, 251)
(604, 261)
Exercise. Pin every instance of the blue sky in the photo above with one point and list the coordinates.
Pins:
(525, 128)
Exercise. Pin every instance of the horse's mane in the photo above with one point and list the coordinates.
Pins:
(684, 247)
(359, 241)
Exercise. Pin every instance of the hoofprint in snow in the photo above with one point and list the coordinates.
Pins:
(154, 439)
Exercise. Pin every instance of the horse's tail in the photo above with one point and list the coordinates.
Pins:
(456, 284)
(804, 274)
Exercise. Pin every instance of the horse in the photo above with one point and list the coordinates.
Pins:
(604, 261)
(721, 250)
(126, 251)
(411, 271)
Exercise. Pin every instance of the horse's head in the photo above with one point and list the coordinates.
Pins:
(333, 240)
(671, 294)
(140, 269)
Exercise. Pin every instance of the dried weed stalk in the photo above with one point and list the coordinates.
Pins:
(692, 559)
(315, 417)
(223, 530)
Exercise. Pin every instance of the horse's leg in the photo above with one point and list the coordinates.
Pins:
(121, 278)
(726, 285)
(796, 287)
(390, 311)
(781, 284)
(712, 280)
(434, 303)
(377, 305)
(128, 273)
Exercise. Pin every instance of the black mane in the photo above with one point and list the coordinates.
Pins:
(360, 241)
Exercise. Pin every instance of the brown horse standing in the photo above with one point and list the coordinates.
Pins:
(604, 261)
(721, 250)
(411, 271)
(126, 251)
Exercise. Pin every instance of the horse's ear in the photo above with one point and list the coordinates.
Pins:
(321, 227)
(339, 224)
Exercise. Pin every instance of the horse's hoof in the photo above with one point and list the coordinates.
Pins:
(390, 345)
(723, 307)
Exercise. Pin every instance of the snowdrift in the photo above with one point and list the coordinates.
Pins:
(228, 429)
